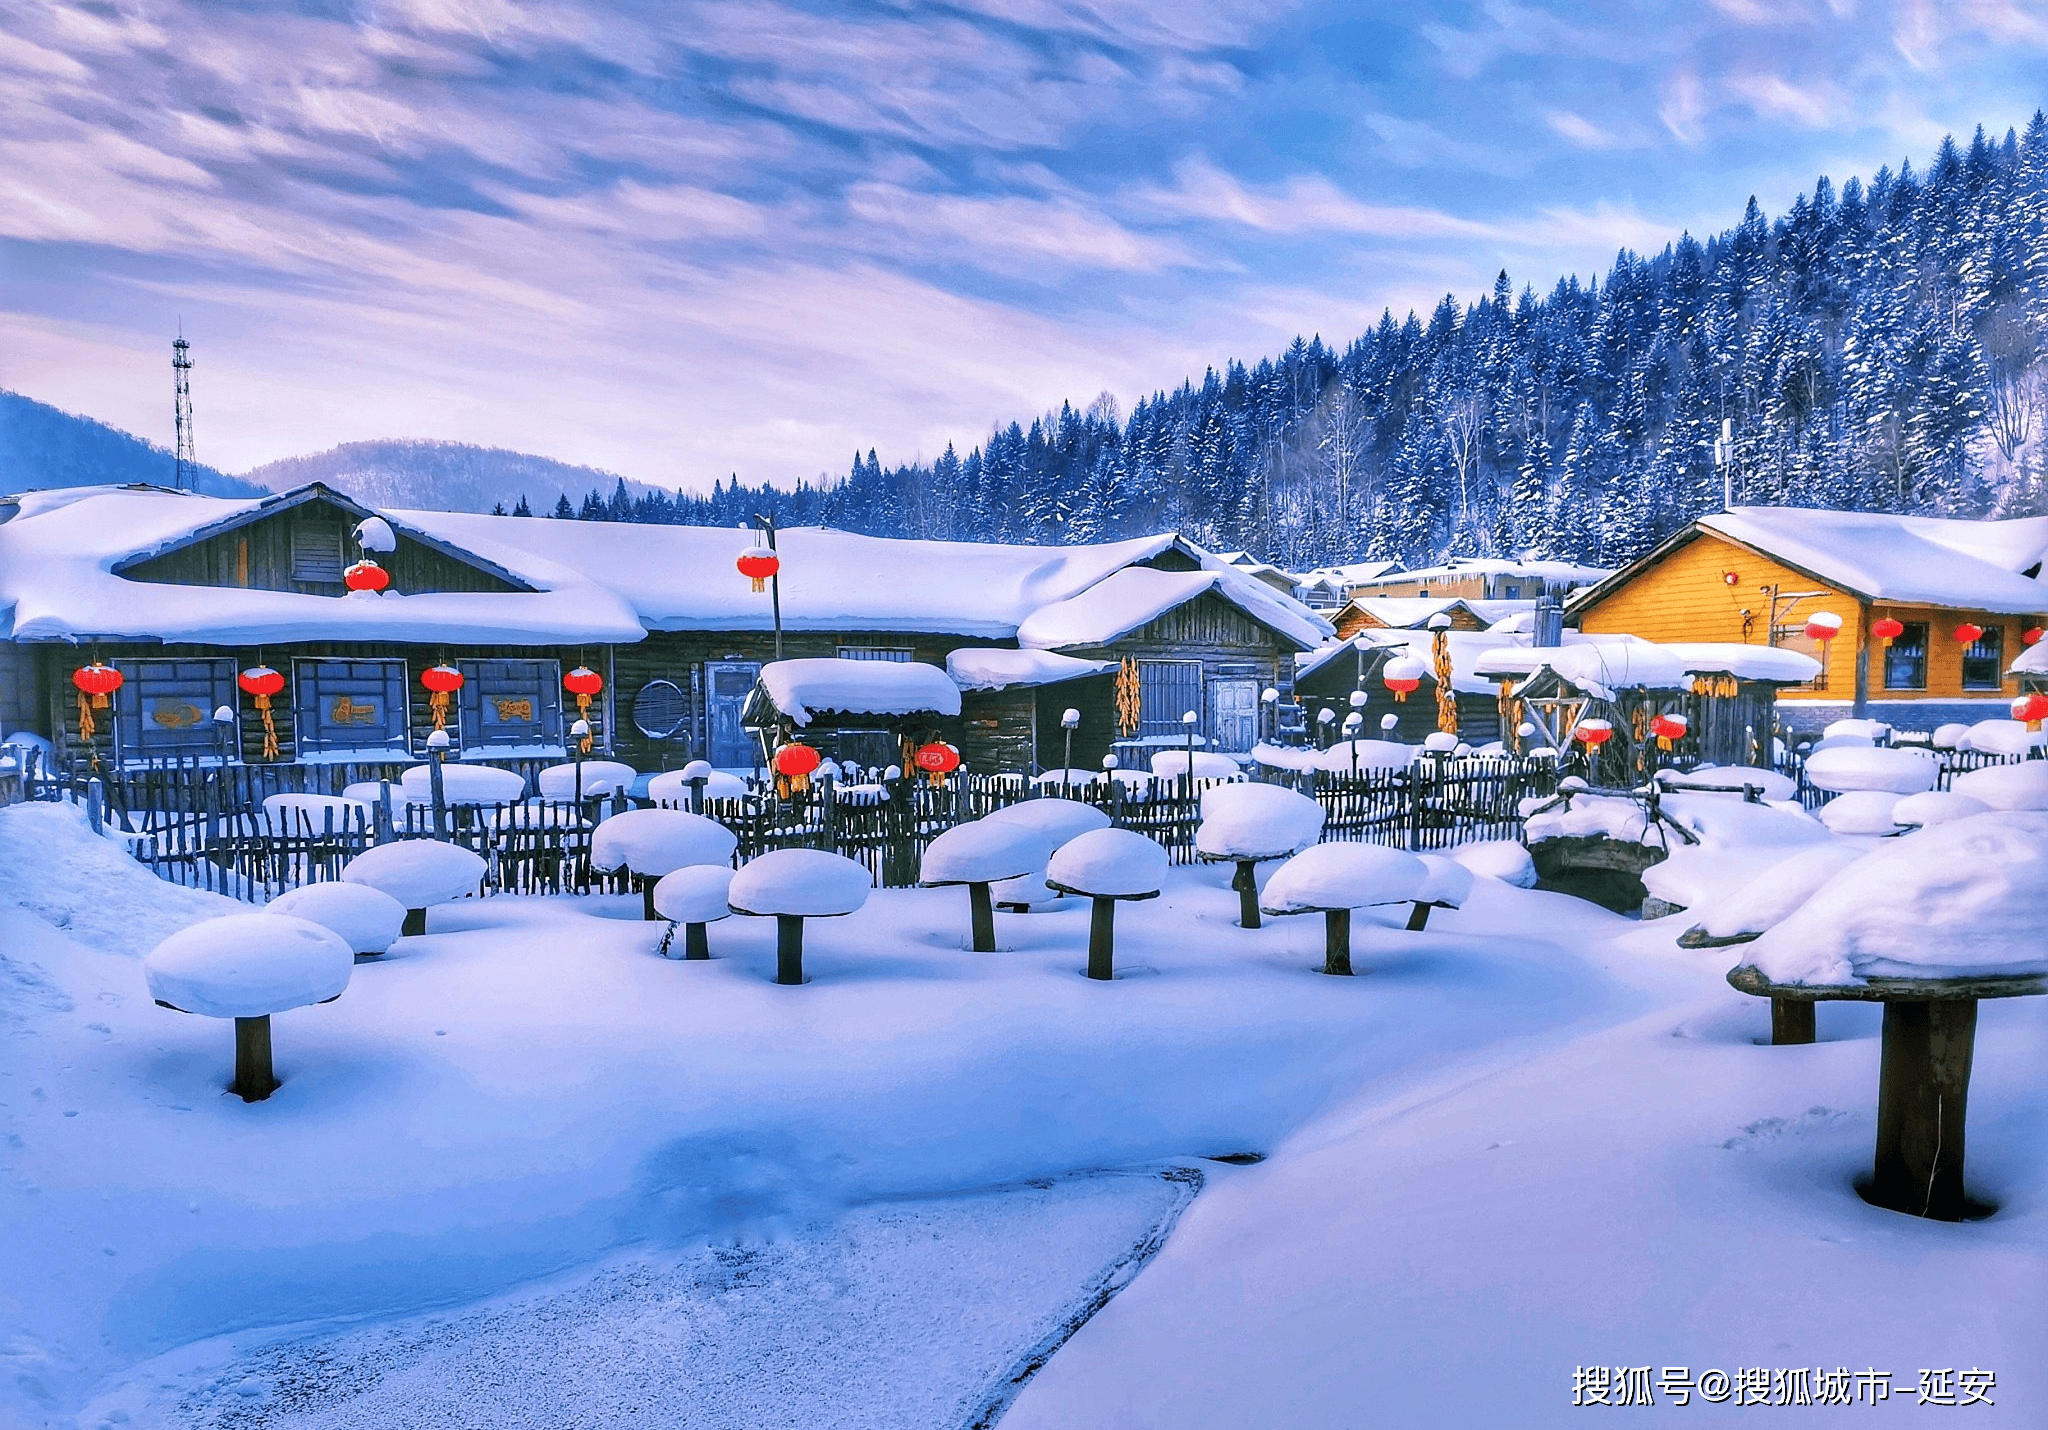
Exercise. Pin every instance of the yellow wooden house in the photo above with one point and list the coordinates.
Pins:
(1931, 611)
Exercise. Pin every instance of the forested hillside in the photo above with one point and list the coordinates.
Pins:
(44, 446)
(1881, 346)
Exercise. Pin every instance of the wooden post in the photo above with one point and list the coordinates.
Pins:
(1791, 1021)
(1923, 1095)
(1337, 941)
(1102, 939)
(982, 915)
(440, 795)
(696, 943)
(253, 1079)
(647, 883)
(1418, 917)
(789, 948)
(1246, 882)
(415, 923)
(697, 796)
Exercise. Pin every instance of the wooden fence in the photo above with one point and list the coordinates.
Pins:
(205, 826)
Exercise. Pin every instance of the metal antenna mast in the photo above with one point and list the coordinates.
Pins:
(181, 375)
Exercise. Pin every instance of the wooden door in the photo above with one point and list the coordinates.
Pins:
(726, 683)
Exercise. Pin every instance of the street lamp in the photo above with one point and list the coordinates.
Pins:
(1270, 698)
(224, 725)
(580, 733)
(1189, 719)
(769, 566)
(1069, 722)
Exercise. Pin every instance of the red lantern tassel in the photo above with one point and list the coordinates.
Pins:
(269, 730)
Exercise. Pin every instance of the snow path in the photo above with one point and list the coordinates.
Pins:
(530, 1090)
(899, 1314)
(1665, 1192)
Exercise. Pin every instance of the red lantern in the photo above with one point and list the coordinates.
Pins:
(583, 682)
(1669, 729)
(2032, 708)
(1823, 626)
(2032, 635)
(1403, 675)
(1885, 628)
(1968, 634)
(263, 682)
(366, 575)
(95, 683)
(757, 564)
(794, 763)
(937, 759)
(443, 680)
(1593, 733)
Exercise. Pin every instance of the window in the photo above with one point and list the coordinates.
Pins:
(165, 708)
(1905, 659)
(514, 704)
(1167, 689)
(903, 654)
(350, 707)
(660, 708)
(316, 553)
(1984, 660)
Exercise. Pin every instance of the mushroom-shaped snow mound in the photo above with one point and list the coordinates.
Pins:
(1863, 811)
(1768, 784)
(1368, 754)
(1937, 806)
(1256, 821)
(673, 789)
(1872, 767)
(1959, 900)
(417, 872)
(1447, 882)
(695, 894)
(2019, 786)
(248, 966)
(367, 919)
(659, 841)
(982, 852)
(1056, 820)
(1172, 764)
(1504, 859)
(600, 777)
(314, 813)
(805, 882)
(1768, 899)
(463, 784)
(1343, 876)
(1108, 864)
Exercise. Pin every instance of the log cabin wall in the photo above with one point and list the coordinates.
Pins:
(1330, 685)
(1095, 697)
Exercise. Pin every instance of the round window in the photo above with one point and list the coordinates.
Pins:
(659, 709)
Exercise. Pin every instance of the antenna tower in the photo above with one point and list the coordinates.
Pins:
(181, 376)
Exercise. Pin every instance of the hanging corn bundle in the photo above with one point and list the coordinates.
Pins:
(1128, 703)
(1446, 697)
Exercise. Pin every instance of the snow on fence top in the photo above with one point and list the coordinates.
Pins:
(801, 688)
(1933, 561)
(57, 559)
(997, 668)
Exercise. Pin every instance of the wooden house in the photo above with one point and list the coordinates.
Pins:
(1931, 611)
(1406, 613)
(1482, 579)
(1326, 679)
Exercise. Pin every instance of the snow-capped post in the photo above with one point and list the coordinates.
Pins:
(437, 751)
(1354, 726)
(1107, 865)
(651, 843)
(1069, 721)
(693, 896)
(791, 885)
(696, 774)
(247, 967)
(980, 853)
(95, 804)
(580, 733)
(1189, 719)
(1334, 879)
(1325, 735)
(1115, 790)
(1247, 823)
(1269, 714)
(224, 726)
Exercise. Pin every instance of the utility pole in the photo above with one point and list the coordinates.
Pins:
(1724, 458)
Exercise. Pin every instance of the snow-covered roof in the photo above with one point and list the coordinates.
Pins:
(997, 668)
(1408, 612)
(1128, 599)
(1925, 560)
(2032, 661)
(1473, 664)
(57, 582)
(1599, 668)
(1773, 664)
(858, 687)
(1554, 572)
(1351, 574)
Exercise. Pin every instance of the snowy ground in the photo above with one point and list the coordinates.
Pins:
(524, 1155)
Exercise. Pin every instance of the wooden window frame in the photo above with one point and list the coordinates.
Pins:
(1926, 639)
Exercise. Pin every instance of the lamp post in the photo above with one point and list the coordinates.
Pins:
(1270, 699)
(1354, 726)
(766, 526)
(580, 733)
(1069, 722)
(437, 751)
(224, 726)
(1189, 719)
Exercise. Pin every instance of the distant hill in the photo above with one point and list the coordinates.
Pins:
(443, 476)
(45, 446)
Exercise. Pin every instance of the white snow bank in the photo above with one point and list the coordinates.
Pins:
(695, 894)
(1872, 730)
(1172, 764)
(1255, 821)
(1863, 811)
(979, 852)
(809, 882)
(303, 814)
(1949, 737)
(2019, 786)
(1586, 816)
(1448, 882)
(1056, 820)
(1769, 784)
(53, 865)
(367, 919)
(463, 784)
(1936, 806)
(1960, 899)
(599, 777)
(1368, 754)
(1343, 875)
(248, 966)
(1854, 767)
(657, 841)
(2002, 737)
(990, 668)
(800, 688)
(1067, 779)
(1773, 894)
(673, 788)
(1502, 859)
(417, 872)
(1284, 757)
(1108, 863)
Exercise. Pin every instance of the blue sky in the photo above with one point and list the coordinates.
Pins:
(690, 238)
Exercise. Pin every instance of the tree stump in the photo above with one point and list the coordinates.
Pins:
(253, 1078)
(1246, 882)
